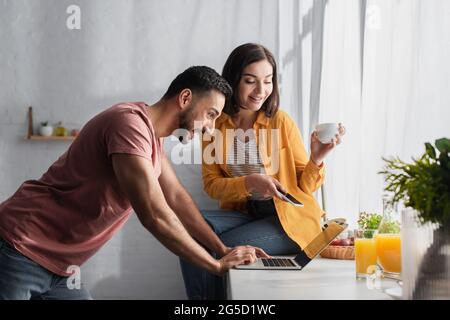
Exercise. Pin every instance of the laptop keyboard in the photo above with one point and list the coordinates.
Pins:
(278, 262)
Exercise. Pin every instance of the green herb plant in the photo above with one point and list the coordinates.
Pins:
(369, 221)
(424, 184)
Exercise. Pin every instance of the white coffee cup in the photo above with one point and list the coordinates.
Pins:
(327, 131)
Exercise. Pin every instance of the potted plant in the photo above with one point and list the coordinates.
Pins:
(45, 129)
(369, 221)
(424, 185)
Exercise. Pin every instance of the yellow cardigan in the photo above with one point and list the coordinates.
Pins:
(300, 176)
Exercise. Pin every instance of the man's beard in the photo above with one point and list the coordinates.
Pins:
(187, 118)
(186, 124)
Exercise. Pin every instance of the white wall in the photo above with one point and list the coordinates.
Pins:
(125, 51)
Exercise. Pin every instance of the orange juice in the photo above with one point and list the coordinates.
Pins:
(365, 255)
(389, 252)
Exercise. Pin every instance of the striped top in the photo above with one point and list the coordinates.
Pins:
(244, 160)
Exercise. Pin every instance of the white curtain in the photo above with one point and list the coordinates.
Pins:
(300, 34)
(406, 87)
(384, 72)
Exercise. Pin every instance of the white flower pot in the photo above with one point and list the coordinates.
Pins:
(46, 131)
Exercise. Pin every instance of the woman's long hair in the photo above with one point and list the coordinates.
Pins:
(240, 58)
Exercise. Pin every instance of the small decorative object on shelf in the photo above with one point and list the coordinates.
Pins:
(60, 130)
(45, 131)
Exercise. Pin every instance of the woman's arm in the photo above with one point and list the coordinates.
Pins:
(310, 176)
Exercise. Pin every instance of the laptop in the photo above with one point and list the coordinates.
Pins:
(330, 230)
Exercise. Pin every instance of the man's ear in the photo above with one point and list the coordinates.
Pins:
(185, 98)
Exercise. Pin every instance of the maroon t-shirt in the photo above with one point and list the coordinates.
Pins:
(63, 218)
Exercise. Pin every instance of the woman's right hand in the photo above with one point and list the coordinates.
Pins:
(264, 185)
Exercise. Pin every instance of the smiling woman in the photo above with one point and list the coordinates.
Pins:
(250, 193)
(257, 82)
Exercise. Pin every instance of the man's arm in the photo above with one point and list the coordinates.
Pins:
(137, 179)
(184, 207)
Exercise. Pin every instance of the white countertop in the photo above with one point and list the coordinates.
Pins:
(325, 279)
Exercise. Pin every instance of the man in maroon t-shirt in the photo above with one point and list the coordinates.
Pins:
(115, 164)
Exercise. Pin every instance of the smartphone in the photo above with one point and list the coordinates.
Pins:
(289, 198)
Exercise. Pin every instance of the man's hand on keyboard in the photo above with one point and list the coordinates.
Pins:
(240, 255)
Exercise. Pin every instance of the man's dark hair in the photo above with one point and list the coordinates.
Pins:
(199, 79)
(240, 58)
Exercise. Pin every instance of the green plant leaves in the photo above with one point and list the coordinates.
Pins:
(369, 221)
(424, 184)
(389, 227)
(443, 145)
(430, 150)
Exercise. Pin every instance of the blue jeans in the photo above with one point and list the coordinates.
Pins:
(234, 229)
(24, 279)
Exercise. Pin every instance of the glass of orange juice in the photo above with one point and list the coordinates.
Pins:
(365, 252)
(388, 241)
(388, 246)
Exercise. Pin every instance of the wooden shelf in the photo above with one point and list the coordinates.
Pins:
(51, 138)
(31, 136)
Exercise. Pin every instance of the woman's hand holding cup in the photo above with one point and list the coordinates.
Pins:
(324, 139)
